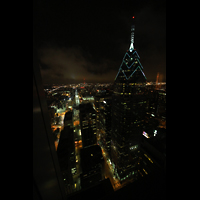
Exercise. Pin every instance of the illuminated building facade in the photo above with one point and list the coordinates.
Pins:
(128, 111)
(103, 111)
(76, 98)
(88, 124)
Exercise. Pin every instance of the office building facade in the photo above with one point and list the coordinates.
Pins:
(88, 124)
(103, 113)
(128, 111)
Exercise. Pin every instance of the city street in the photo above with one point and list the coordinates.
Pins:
(76, 177)
(109, 174)
(77, 143)
(107, 169)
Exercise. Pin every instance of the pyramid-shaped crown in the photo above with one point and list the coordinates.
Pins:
(131, 68)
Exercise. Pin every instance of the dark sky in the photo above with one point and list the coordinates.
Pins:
(88, 39)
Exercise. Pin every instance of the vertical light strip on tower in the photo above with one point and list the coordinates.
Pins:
(131, 48)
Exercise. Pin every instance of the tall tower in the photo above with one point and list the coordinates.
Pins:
(76, 98)
(128, 111)
(131, 48)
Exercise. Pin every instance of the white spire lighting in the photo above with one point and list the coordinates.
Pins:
(131, 48)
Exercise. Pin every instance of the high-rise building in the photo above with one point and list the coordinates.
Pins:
(103, 123)
(91, 164)
(76, 98)
(66, 159)
(87, 116)
(128, 111)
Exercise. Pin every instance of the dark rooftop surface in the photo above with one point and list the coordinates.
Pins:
(90, 157)
(99, 191)
(86, 107)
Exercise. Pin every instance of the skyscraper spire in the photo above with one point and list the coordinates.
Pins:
(131, 67)
(131, 48)
(129, 103)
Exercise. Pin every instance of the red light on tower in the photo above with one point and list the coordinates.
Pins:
(133, 17)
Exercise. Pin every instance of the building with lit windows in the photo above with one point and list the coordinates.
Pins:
(87, 116)
(66, 159)
(91, 165)
(103, 123)
(128, 111)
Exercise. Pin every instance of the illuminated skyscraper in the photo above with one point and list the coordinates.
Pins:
(128, 111)
(76, 98)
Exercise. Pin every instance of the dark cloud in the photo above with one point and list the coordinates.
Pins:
(44, 66)
(70, 64)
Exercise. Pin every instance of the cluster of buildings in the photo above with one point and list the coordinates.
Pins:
(124, 122)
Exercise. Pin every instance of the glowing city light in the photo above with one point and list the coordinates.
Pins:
(145, 134)
(155, 133)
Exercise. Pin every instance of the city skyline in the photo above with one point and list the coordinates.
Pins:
(99, 99)
(81, 114)
(77, 42)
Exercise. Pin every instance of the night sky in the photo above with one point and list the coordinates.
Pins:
(88, 39)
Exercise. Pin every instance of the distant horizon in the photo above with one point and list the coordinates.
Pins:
(91, 83)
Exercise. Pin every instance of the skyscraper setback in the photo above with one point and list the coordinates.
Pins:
(128, 111)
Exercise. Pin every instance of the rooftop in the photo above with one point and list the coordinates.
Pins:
(90, 157)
